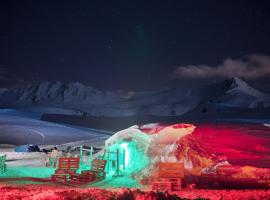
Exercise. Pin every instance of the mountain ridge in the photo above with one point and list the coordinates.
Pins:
(87, 100)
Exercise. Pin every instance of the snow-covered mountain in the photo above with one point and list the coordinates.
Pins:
(76, 98)
(51, 93)
(240, 94)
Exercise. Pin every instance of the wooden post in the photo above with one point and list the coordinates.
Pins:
(81, 156)
(109, 161)
(117, 171)
(124, 159)
(81, 153)
(91, 156)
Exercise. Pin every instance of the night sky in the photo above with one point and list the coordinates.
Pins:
(134, 45)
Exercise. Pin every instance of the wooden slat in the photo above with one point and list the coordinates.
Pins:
(168, 176)
(69, 163)
(98, 165)
(97, 168)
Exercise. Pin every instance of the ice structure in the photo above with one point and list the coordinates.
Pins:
(214, 155)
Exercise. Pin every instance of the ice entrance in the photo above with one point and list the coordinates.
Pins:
(132, 146)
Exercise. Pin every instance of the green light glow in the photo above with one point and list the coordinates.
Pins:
(135, 159)
(38, 172)
(125, 147)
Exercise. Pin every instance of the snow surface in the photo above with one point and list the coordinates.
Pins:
(26, 129)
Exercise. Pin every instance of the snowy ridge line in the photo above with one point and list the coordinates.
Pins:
(77, 99)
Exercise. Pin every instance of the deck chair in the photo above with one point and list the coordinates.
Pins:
(96, 172)
(168, 176)
(66, 167)
(3, 166)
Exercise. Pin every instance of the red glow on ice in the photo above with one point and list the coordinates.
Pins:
(240, 144)
(159, 127)
(221, 153)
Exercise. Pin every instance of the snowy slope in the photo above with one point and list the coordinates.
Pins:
(24, 129)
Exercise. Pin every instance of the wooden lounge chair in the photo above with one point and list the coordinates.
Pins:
(95, 173)
(3, 166)
(168, 176)
(66, 167)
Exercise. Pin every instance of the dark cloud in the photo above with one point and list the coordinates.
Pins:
(252, 67)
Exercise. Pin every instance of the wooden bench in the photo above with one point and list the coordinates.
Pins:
(96, 172)
(168, 176)
(66, 167)
(3, 166)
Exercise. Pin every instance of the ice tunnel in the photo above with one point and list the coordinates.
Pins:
(145, 146)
